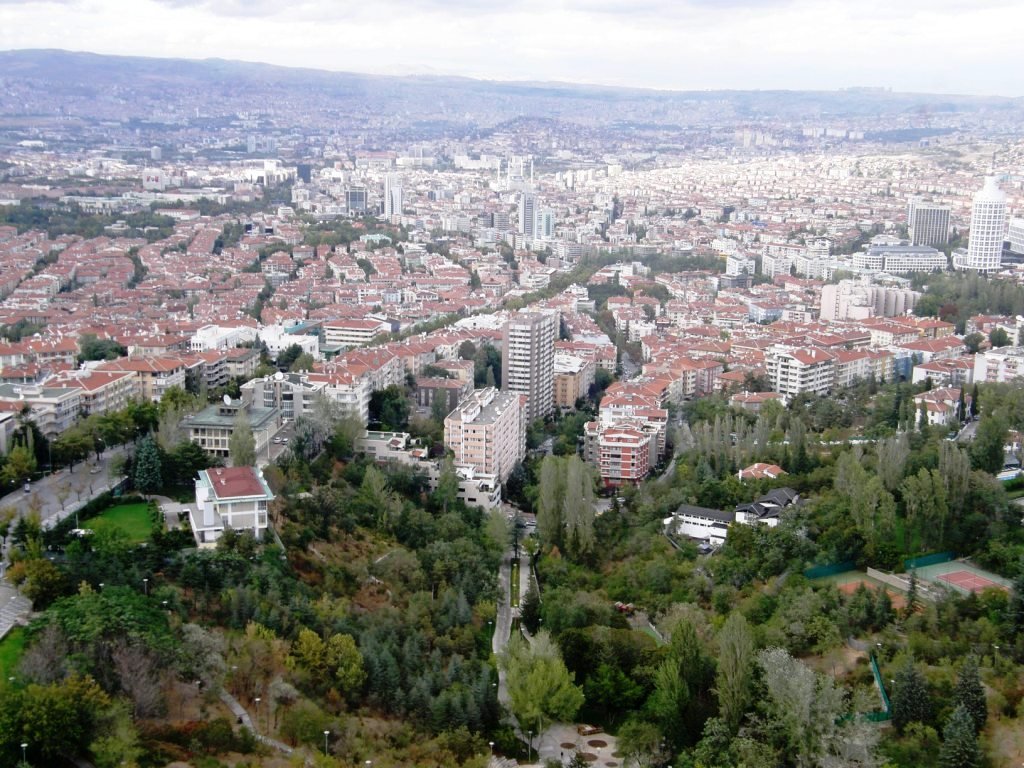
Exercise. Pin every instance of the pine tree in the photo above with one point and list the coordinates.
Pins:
(970, 694)
(959, 742)
(911, 702)
(147, 475)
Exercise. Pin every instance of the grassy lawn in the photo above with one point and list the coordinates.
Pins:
(133, 519)
(515, 584)
(11, 649)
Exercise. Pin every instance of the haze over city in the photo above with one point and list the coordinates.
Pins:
(528, 385)
(940, 46)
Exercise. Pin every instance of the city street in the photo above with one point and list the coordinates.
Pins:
(56, 496)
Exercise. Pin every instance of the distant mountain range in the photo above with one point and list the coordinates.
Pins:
(85, 85)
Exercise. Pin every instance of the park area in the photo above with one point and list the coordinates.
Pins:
(133, 519)
(12, 646)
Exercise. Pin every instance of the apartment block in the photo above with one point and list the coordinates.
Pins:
(528, 360)
(793, 371)
(573, 379)
(488, 432)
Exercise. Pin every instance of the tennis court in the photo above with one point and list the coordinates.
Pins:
(848, 582)
(962, 576)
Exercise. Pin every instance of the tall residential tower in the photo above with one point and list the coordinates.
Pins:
(528, 360)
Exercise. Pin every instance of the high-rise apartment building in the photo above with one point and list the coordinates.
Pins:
(528, 215)
(1016, 235)
(988, 229)
(528, 360)
(927, 223)
(392, 196)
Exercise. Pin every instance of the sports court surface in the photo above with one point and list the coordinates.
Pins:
(848, 582)
(962, 576)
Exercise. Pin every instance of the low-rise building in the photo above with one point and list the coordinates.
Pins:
(230, 497)
(212, 427)
(573, 378)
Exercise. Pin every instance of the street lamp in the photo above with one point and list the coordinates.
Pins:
(491, 745)
(529, 747)
(145, 586)
(24, 746)
(257, 701)
(326, 734)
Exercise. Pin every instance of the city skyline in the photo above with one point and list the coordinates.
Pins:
(941, 47)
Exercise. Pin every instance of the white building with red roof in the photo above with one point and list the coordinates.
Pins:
(229, 497)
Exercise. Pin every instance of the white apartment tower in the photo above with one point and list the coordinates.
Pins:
(988, 229)
(927, 223)
(528, 360)
(392, 196)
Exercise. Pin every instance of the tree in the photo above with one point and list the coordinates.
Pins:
(973, 342)
(303, 362)
(447, 493)
(550, 495)
(734, 676)
(911, 702)
(529, 609)
(578, 508)
(670, 700)
(540, 688)
(960, 747)
(389, 408)
(344, 664)
(147, 476)
(892, 459)
(989, 441)
(242, 443)
(20, 465)
(802, 708)
(998, 337)
(970, 694)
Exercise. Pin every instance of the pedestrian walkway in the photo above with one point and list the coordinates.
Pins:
(14, 608)
(242, 716)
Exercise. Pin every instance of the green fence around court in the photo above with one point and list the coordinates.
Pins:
(887, 714)
(933, 559)
(821, 571)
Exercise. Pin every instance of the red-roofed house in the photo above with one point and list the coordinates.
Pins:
(229, 497)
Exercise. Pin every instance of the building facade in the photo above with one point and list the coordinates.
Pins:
(487, 432)
(988, 229)
(528, 360)
(229, 497)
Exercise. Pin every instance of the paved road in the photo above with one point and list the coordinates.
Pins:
(503, 621)
(967, 433)
(77, 486)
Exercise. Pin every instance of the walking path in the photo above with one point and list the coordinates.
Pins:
(242, 716)
(14, 608)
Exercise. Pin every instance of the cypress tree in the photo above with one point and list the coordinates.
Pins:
(970, 694)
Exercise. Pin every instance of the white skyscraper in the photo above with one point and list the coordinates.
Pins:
(392, 196)
(988, 230)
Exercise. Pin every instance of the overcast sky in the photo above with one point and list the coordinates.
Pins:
(938, 46)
